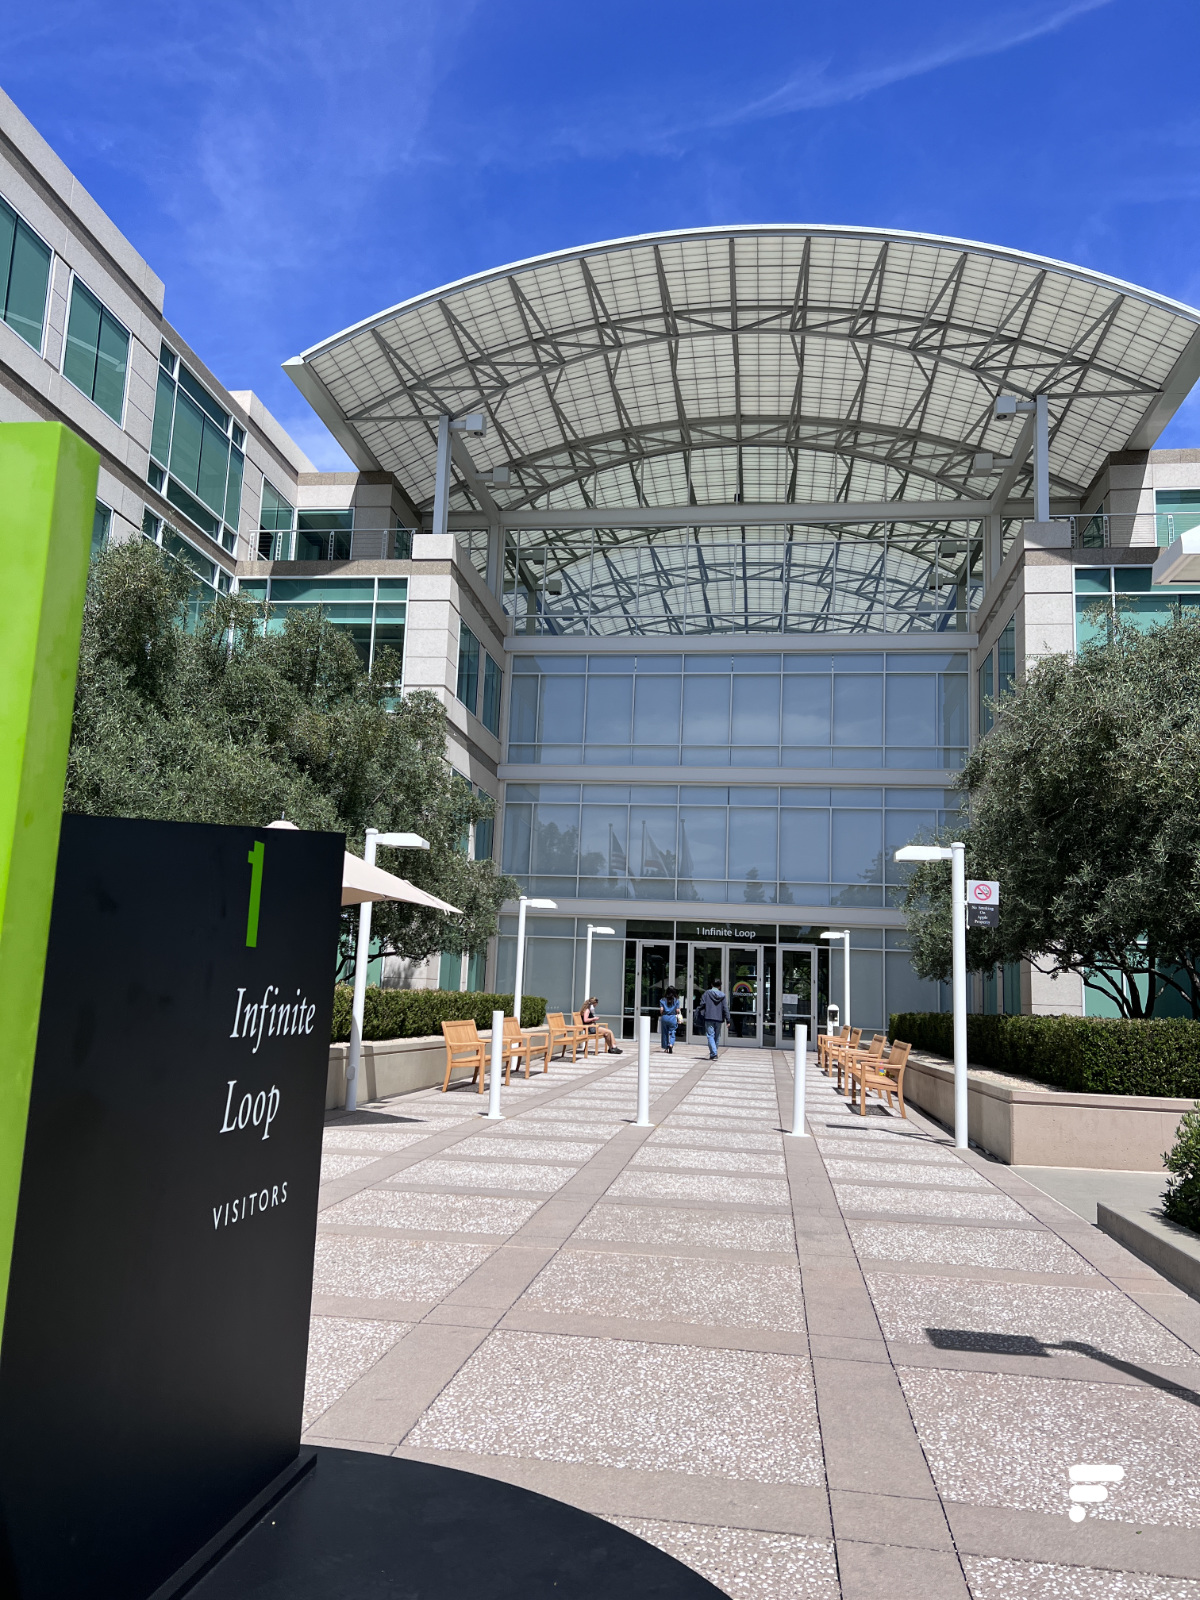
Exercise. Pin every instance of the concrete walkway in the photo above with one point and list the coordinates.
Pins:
(857, 1364)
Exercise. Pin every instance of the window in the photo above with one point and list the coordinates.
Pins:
(1176, 511)
(196, 459)
(489, 713)
(467, 689)
(1006, 659)
(1102, 592)
(101, 527)
(324, 535)
(275, 519)
(986, 691)
(24, 277)
(211, 579)
(96, 353)
(370, 610)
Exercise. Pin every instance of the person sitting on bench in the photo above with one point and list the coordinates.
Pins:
(588, 1016)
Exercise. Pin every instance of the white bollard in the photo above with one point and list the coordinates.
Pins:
(798, 1127)
(493, 1109)
(643, 1116)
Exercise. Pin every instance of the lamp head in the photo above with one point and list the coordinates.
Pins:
(401, 841)
(923, 852)
(834, 934)
(592, 928)
(540, 905)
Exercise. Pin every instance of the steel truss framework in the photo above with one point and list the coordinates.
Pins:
(765, 367)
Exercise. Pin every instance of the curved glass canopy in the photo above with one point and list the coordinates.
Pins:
(781, 422)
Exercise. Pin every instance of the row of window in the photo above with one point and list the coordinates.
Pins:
(1103, 592)
(476, 671)
(997, 674)
(196, 452)
(808, 710)
(95, 354)
(371, 610)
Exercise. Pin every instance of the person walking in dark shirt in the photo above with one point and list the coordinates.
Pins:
(714, 1010)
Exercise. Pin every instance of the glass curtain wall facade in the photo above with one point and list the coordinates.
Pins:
(371, 610)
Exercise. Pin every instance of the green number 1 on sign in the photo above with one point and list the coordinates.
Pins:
(255, 858)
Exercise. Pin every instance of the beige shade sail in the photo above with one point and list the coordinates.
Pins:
(361, 881)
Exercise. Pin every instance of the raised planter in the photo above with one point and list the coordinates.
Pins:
(1163, 1245)
(1029, 1125)
(391, 1066)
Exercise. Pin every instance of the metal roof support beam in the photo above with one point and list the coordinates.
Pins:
(780, 514)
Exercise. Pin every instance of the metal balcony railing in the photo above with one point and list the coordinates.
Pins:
(1100, 530)
(335, 544)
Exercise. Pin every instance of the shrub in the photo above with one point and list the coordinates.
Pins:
(1087, 1055)
(1181, 1201)
(414, 1013)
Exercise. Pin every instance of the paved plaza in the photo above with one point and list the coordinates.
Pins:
(857, 1364)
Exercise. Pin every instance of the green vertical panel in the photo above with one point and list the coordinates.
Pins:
(8, 232)
(83, 339)
(48, 491)
(185, 442)
(164, 410)
(25, 312)
(112, 358)
(233, 494)
(214, 468)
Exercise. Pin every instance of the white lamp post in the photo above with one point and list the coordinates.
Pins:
(397, 841)
(522, 906)
(587, 965)
(955, 854)
(843, 933)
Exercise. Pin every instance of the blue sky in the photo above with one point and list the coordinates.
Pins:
(290, 166)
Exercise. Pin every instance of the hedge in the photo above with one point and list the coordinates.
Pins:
(1181, 1202)
(414, 1013)
(1086, 1055)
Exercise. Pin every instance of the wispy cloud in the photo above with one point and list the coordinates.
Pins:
(817, 86)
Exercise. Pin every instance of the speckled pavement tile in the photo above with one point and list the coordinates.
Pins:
(909, 1306)
(487, 1147)
(661, 1226)
(887, 1149)
(656, 1289)
(622, 1403)
(744, 1563)
(376, 1268)
(1018, 1249)
(418, 1212)
(710, 1187)
(996, 1439)
(381, 1141)
(519, 1175)
(929, 1203)
(705, 1138)
(653, 1154)
(956, 1176)
(340, 1350)
(336, 1166)
(994, 1578)
(597, 1133)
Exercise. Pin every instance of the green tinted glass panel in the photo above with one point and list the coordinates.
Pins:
(393, 613)
(1092, 621)
(1093, 580)
(324, 521)
(101, 523)
(83, 340)
(186, 439)
(112, 359)
(1131, 580)
(8, 232)
(395, 586)
(186, 553)
(233, 491)
(253, 590)
(164, 408)
(489, 711)
(28, 277)
(337, 614)
(275, 512)
(191, 508)
(203, 399)
(214, 468)
(1167, 499)
(323, 591)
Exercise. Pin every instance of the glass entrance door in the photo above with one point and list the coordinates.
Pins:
(796, 990)
(745, 994)
(653, 980)
(706, 966)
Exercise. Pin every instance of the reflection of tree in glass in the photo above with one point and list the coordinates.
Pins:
(755, 893)
(556, 850)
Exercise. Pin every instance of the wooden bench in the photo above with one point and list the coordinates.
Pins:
(886, 1078)
(837, 1048)
(849, 1059)
(521, 1045)
(464, 1048)
(563, 1034)
(825, 1041)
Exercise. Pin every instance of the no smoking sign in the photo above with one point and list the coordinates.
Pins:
(983, 903)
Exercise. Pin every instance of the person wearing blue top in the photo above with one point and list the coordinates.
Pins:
(668, 1019)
